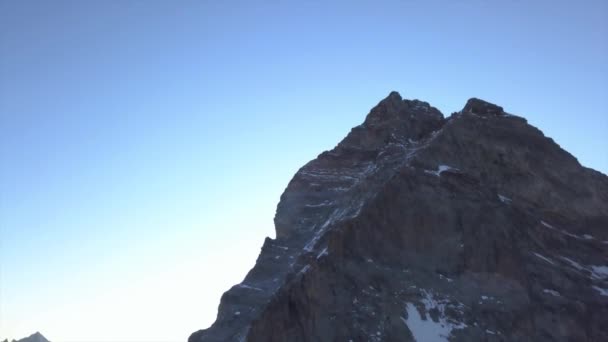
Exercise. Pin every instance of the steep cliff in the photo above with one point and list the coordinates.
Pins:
(416, 227)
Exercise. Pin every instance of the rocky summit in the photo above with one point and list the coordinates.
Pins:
(418, 227)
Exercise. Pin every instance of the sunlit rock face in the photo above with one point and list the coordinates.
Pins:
(420, 228)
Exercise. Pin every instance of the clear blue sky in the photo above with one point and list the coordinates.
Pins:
(144, 144)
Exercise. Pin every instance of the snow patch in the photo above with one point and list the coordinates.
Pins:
(545, 258)
(547, 225)
(245, 286)
(504, 199)
(339, 188)
(440, 169)
(335, 215)
(552, 292)
(346, 177)
(603, 292)
(304, 269)
(579, 237)
(599, 272)
(322, 204)
(574, 263)
(323, 252)
(423, 327)
(339, 214)
(449, 280)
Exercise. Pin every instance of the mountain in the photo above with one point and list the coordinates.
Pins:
(36, 337)
(474, 227)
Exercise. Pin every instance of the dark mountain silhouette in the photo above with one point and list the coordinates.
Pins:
(416, 227)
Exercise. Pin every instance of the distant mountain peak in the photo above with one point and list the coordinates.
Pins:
(35, 337)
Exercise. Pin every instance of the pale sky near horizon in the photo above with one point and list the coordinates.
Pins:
(144, 144)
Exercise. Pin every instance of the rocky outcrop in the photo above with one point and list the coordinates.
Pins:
(416, 227)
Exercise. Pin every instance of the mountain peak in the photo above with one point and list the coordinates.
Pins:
(394, 95)
(482, 108)
(35, 337)
(415, 227)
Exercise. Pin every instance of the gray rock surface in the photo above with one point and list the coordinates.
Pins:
(415, 227)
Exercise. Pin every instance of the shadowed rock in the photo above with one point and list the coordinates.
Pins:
(481, 107)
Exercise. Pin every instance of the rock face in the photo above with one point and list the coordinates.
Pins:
(420, 228)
